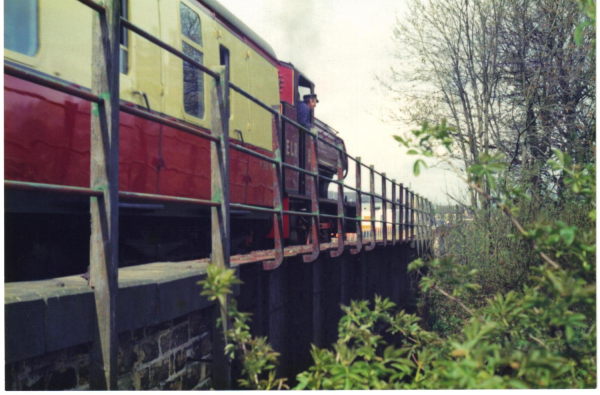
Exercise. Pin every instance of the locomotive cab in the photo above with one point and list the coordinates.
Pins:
(293, 86)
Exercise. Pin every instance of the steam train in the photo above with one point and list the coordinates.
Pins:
(47, 135)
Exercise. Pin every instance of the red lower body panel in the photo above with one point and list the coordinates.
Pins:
(47, 140)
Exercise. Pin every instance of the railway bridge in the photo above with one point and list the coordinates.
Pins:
(145, 326)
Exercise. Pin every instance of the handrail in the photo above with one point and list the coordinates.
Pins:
(409, 207)
(167, 47)
(61, 87)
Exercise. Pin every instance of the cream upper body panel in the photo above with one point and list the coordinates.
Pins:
(65, 51)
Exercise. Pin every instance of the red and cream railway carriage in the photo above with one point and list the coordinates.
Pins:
(47, 134)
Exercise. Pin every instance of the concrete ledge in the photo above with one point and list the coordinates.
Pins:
(49, 315)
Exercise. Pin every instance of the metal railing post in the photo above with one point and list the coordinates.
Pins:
(314, 198)
(421, 228)
(412, 216)
(373, 243)
(340, 208)
(417, 224)
(359, 234)
(278, 181)
(401, 212)
(384, 209)
(394, 216)
(104, 176)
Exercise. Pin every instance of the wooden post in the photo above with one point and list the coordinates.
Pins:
(104, 176)
(356, 250)
(220, 230)
(219, 162)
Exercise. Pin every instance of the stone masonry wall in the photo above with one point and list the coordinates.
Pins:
(173, 355)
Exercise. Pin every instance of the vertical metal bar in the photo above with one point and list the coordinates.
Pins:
(421, 224)
(433, 233)
(394, 216)
(430, 225)
(340, 206)
(356, 250)
(407, 218)
(384, 209)
(416, 227)
(220, 226)
(278, 182)
(104, 175)
(373, 243)
(401, 220)
(412, 216)
(314, 197)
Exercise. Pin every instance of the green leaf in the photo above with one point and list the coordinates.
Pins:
(568, 235)
(417, 166)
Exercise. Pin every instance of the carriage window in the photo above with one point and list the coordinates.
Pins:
(193, 83)
(124, 40)
(190, 24)
(21, 26)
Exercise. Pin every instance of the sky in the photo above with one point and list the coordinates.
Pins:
(342, 45)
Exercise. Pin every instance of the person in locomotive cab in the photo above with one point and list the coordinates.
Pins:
(304, 108)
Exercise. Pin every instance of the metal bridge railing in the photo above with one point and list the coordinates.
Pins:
(104, 188)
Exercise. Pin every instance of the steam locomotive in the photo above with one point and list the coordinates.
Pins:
(47, 138)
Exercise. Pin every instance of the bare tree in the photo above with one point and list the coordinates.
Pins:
(506, 74)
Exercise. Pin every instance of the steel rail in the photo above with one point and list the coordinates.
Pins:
(128, 25)
(341, 217)
(352, 188)
(301, 170)
(254, 153)
(167, 199)
(332, 180)
(164, 121)
(331, 144)
(330, 216)
(62, 87)
(300, 213)
(52, 188)
(372, 194)
(93, 5)
(252, 98)
(302, 128)
(254, 208)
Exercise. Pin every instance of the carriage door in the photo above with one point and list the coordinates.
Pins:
(238, 161)
(141, 84)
